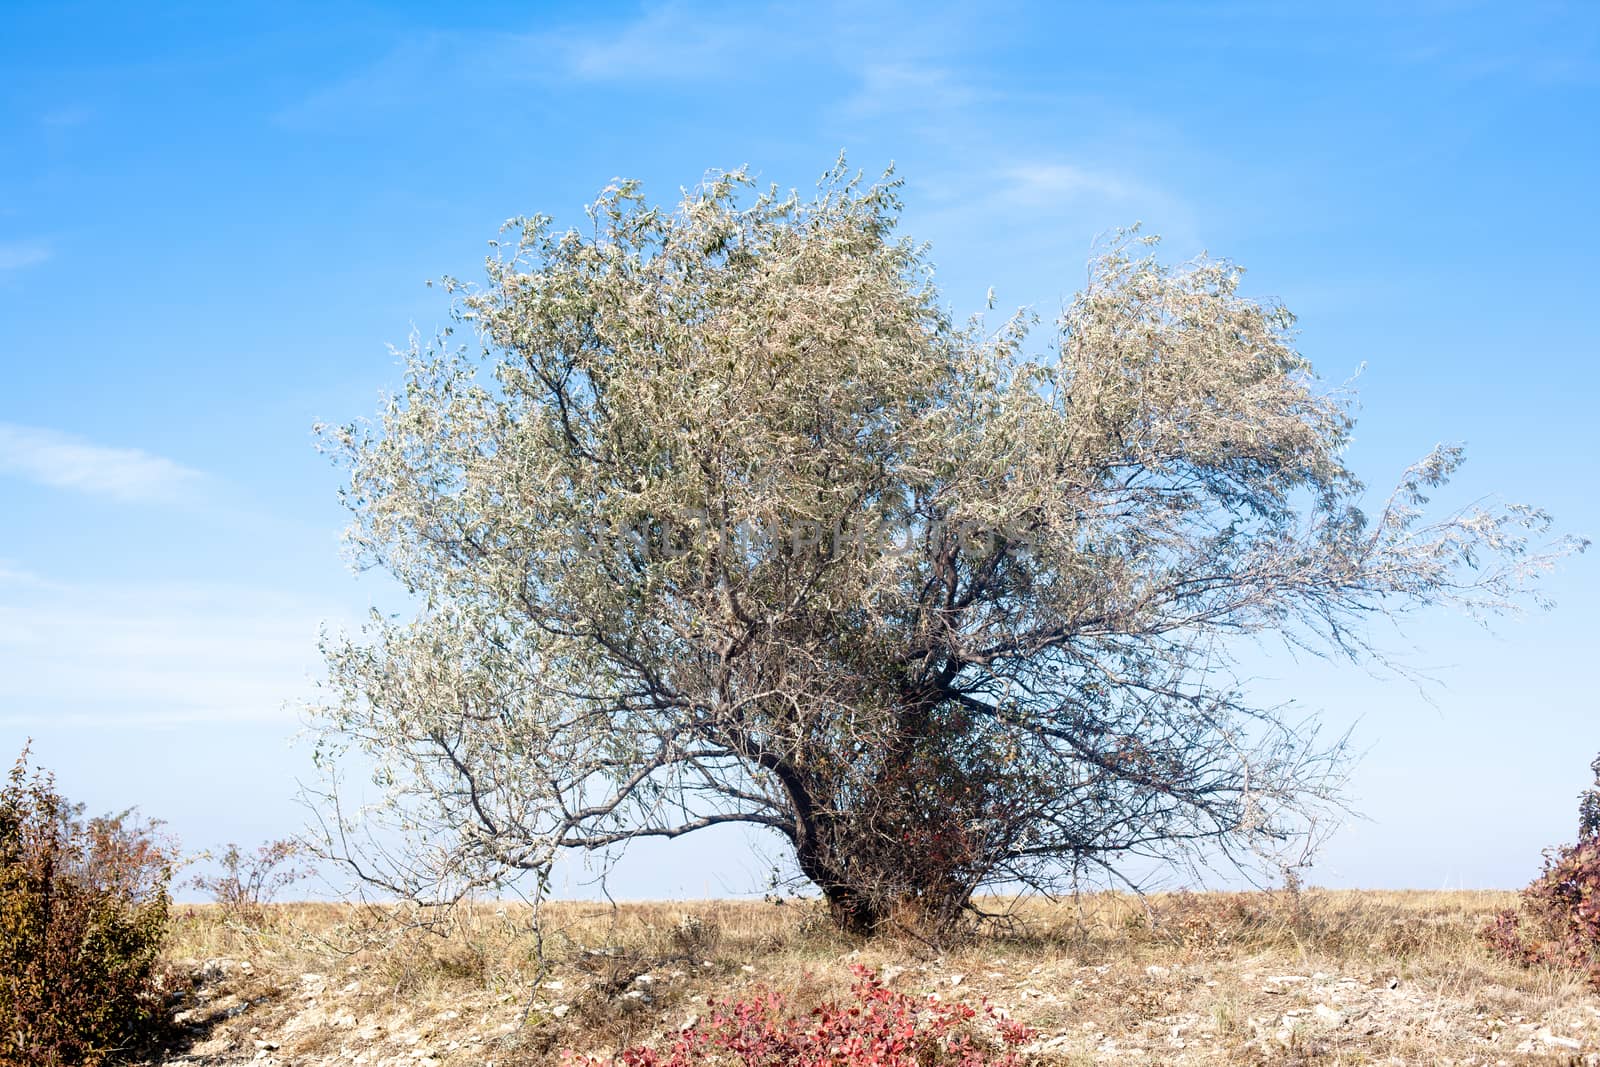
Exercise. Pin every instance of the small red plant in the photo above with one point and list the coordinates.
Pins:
(876, 1027)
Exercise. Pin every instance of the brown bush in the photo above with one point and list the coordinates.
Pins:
(83, 912)
(1558, 923)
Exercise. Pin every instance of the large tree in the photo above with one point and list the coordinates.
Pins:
(725, 519)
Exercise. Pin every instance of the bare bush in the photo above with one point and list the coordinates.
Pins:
(243, 882)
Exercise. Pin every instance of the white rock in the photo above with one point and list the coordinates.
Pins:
(1544, 1034)
(214, 970)
(1052, 1044)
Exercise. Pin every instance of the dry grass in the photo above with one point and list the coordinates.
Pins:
(1320, 978)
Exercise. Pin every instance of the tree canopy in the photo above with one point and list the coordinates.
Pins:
(725, 518)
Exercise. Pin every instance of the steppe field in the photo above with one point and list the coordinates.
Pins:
(1318, 977)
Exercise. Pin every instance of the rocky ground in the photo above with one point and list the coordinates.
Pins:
(1184, 990)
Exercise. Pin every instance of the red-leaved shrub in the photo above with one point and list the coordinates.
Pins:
(1558, 922)
(83, 910)
(876, 1027)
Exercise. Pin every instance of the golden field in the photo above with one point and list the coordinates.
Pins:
(1318, 977)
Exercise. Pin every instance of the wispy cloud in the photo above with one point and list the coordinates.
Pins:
(859, 62)
(668, 42)
(1039, 183)
(865, 62)
(1052, 200)
(65, 117)
(64, 461)
(152, 655)
(887, 88)
(11, 574)
(15, 255)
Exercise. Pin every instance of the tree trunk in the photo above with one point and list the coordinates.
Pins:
(851, 911)
(852, 907)
(863, 884)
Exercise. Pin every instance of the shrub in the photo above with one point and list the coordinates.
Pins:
(695, 937)
(1558, 922)
(1210, 920)
(1589, 806)
(246, 881)
(83, 911)
(877, 1027)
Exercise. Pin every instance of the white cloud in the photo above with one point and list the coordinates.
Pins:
(1041, 182)
(151, 655)
(670, 42)
(906, 86)
(1047, 200)
(15, 255)
(65, 117)
(667, 43)
(11, 574)
(52, 458)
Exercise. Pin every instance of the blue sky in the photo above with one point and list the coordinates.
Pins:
(214, 219)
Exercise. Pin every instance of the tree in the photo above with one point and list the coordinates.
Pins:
(728, 521)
